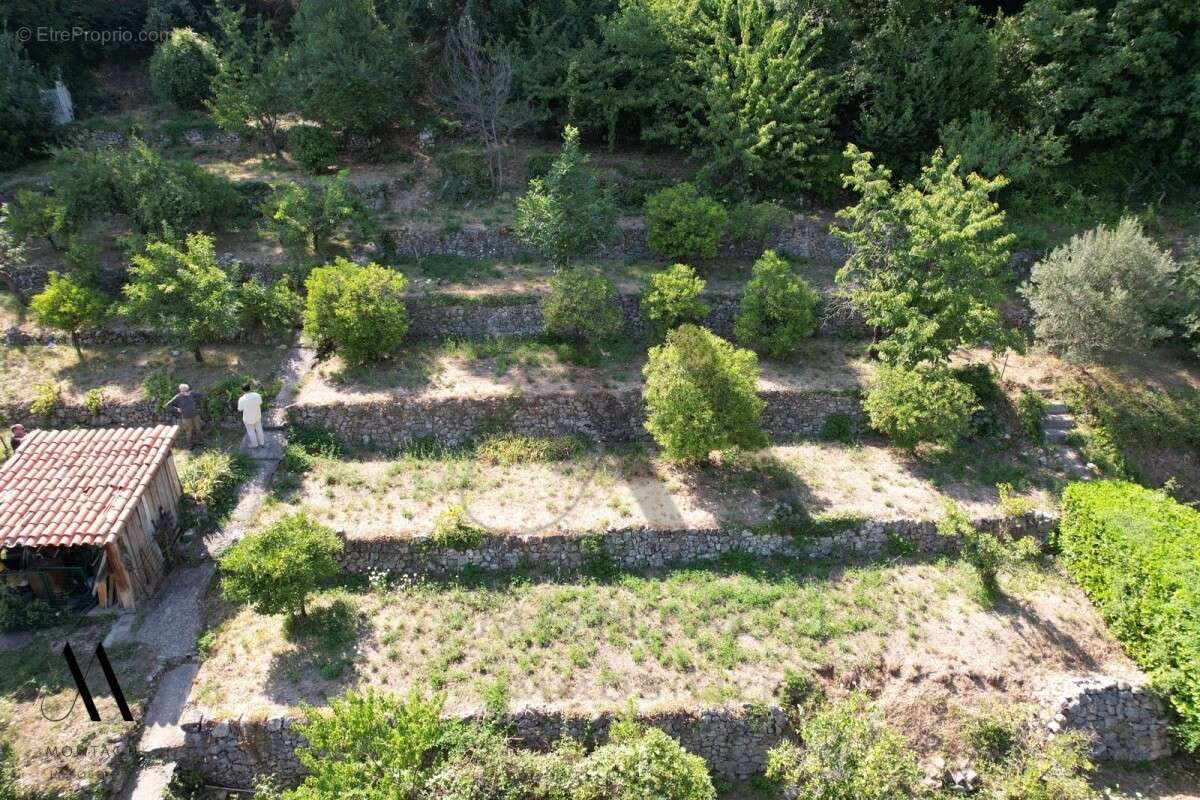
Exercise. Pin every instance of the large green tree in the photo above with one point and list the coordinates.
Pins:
(24, 116)
(350, 67)
(765, 106)
(248, 94)
(68, 306)
(182, 291)
(927, 259)
(1110, 72)
(276, 568)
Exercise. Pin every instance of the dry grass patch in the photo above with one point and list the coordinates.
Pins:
(912, 634)
(492, 367)
(590, 490)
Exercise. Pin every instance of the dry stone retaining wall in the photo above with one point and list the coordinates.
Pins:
(643, 548)
(733, 741)
(1125, 721)
(599, 415)
(126, 414)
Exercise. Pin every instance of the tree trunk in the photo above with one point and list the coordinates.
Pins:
(10, 283)
(75, 343)
(197, 354)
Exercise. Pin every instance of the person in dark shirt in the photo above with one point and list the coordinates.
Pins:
(187, 405)
(18, 436)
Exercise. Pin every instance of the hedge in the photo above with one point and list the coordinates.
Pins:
(1136, 552)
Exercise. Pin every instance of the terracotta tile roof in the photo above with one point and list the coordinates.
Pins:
(77, 486)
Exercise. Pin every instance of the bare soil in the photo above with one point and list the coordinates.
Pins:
(625, 488)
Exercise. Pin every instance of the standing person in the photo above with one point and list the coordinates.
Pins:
(187, 405)
(250, 404)
(18, 435)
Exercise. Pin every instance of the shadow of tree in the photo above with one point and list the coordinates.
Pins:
(326, 643)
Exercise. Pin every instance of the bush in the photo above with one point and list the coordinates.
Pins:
(988, 146)
(839, 428)
(682, 224)
(47, 396)
(212, 479)
(507, 448)
(183, 67)
(160, 386)
(359, 311)
(672, 297)
(276, 568)
(986, 552)
(313, 147)
(368, 745)
(453, 530)
(701, 395)
(1136, 553)
(23, 614)
(1100, 292)
(1031, 408)
(273, 309)
(464, 175)
(641, 762)
(581, 306)
(911, 406)
(755, 223)
(778, 308)
(846, 754)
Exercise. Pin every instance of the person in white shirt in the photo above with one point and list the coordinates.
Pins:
(250, 404)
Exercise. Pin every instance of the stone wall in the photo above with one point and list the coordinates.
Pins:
(125, 414)
(641, 548)
(435, 318)
(733, 741)
(600, 415)
(1125, 721)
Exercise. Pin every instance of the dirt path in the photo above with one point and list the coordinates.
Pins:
(172, 624)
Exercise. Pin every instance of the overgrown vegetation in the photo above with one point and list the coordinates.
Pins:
(1134, 551)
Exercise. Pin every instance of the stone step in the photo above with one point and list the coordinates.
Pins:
(1055, 435)
(1053, 407)
(1064, 422)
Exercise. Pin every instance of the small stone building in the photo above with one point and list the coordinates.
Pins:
(89, 513)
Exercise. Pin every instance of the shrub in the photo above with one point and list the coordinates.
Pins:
(988, 146)
(359, 311)
(986, 552)
(1136, 553)
(183, 67)
(641, 762)
(755, 223)
(313, 147)
(672, 297)
(701, 395)
(778, 308)
(682, 224)
(160, 386)
(182, 292)
(1031, 407)
(273, 309)
(24, 613)
(220, 397)
(506, 449)
(93, 400)
(47, 396)
(846, 754)
(911, 406)
(314, 441)
(566, 214)
(68, 306)
(369, 745)
(453, 530)
(581, 306)
(1100, 292)
(212, 479)
(839, 428)
(799, 693)
(464, 175)
(276, 568)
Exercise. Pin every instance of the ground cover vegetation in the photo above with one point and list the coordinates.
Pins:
(960, 143)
